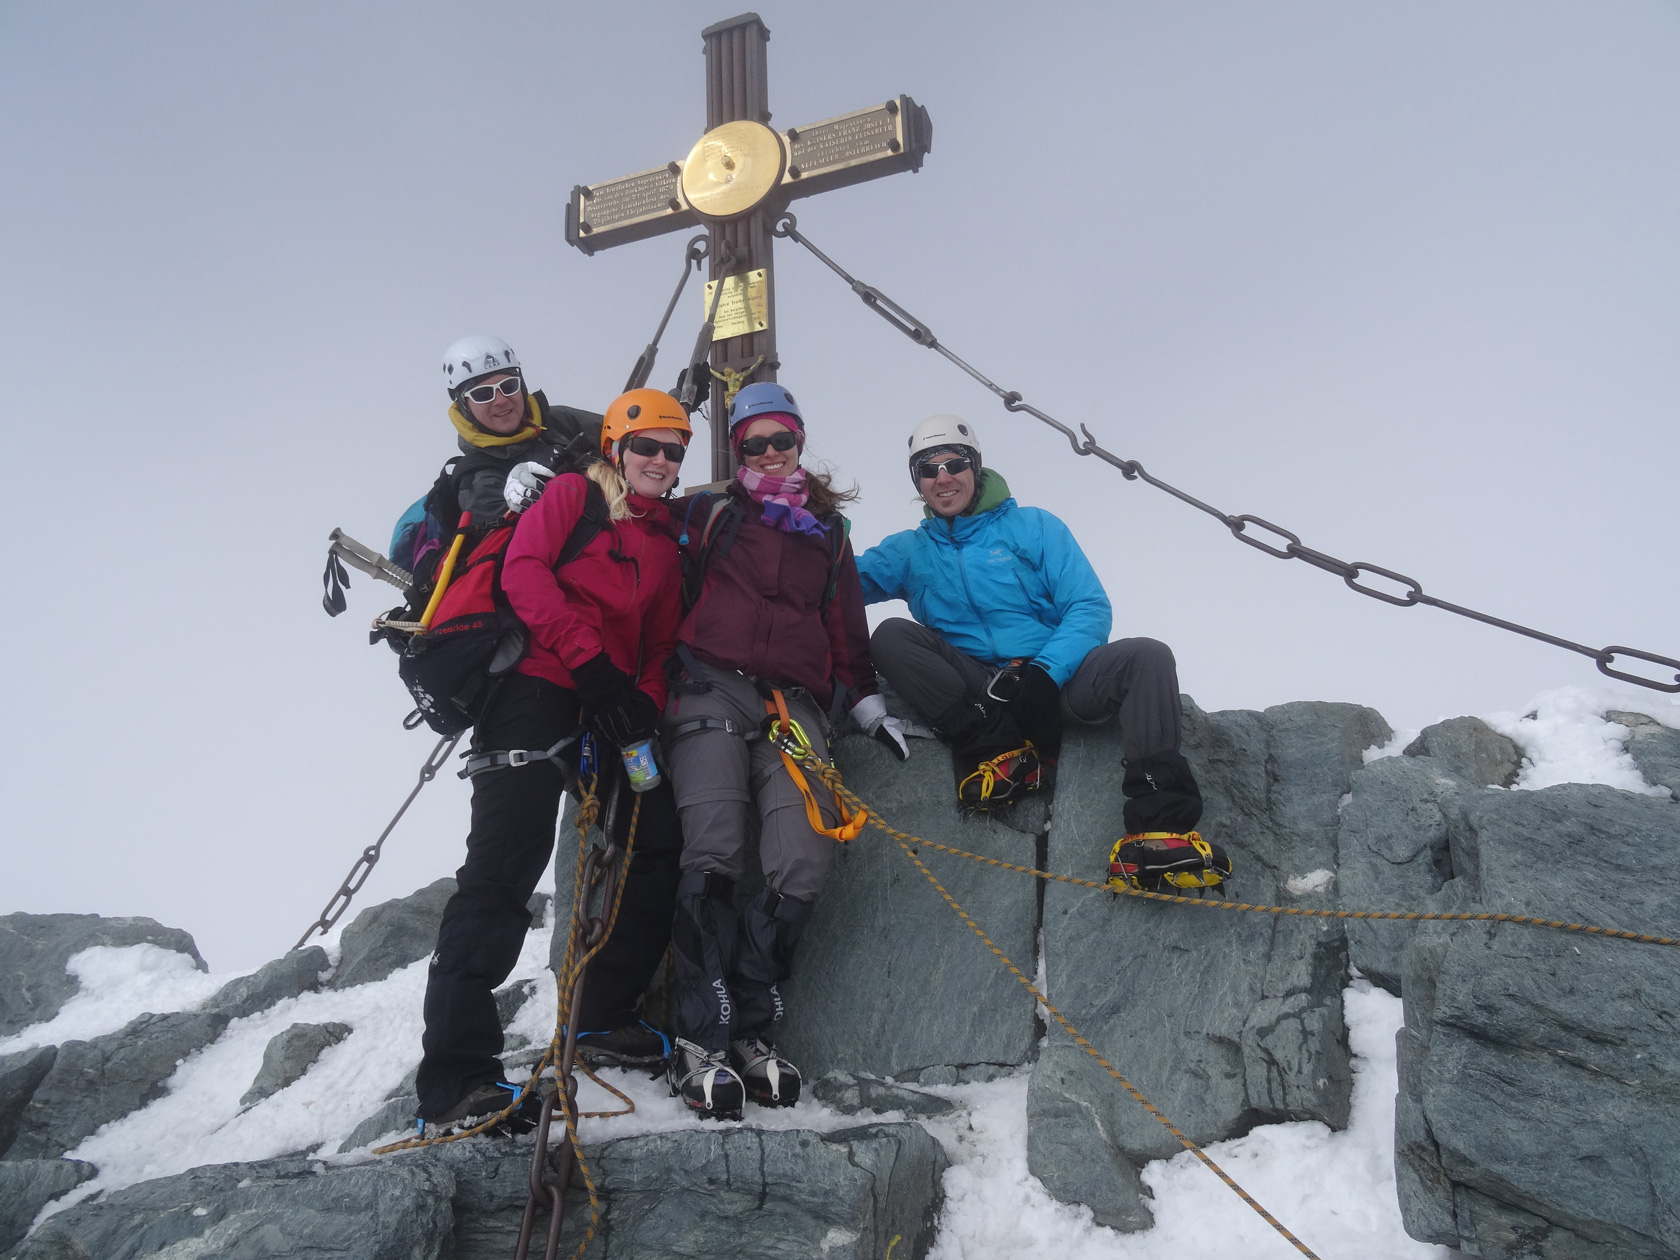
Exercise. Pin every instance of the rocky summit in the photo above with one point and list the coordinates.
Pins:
(1539, 1080)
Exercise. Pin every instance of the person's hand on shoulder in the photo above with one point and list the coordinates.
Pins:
(525, 485)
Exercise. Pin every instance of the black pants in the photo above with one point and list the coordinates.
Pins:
(512, 837)
(1136, 679)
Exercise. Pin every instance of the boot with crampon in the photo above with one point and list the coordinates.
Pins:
(994, 763)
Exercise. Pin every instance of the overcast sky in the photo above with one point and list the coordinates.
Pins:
(1404, 278)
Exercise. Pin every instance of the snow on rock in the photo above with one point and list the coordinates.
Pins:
(1567, 738)
(35, 948)
(114, 984)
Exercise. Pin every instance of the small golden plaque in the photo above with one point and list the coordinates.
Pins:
(744, 307)
(732, 169)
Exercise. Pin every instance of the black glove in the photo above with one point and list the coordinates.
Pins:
(702, 374)
(620, 710)
(599, 683)
(1034, 700)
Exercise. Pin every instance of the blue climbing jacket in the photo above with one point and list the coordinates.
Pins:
(1005, 582)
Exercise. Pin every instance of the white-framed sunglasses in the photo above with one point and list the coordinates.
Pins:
(487, 393)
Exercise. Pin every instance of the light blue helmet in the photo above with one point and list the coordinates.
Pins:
(760, 399)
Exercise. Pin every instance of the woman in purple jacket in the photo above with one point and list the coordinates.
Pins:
(778, 621)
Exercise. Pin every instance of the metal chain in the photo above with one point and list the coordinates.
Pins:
(1410, 590)
(359, 873)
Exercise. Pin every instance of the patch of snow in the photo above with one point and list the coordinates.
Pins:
(1333, 1190)
(1394, 747)
(1311, 882)
(1567, 740)
(118, 983)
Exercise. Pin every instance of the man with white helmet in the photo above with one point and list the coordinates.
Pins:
(500, 424)
(1010, 638)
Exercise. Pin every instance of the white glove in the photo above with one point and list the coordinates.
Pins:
(525, 485)
(871, 714)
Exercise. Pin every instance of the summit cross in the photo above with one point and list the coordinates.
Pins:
(736, 182)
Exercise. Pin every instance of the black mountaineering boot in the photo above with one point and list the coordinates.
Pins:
(705, 1082)
(994, 763)
(635, 1045)
(770, 1080)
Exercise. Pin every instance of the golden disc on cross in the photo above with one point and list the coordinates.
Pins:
(732, 169)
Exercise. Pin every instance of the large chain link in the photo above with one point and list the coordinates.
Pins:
(1406, 591)
(363, 867)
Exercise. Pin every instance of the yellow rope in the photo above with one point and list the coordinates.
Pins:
(1079, 1039)
(831, 778)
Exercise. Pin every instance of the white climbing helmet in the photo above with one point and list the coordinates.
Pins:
(941, 432)
(477, 355)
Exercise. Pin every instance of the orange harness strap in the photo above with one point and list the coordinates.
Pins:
(783, 727)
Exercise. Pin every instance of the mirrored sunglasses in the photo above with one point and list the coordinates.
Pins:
(647, 448)
(756, 446)
(928, 469)
(487, 393)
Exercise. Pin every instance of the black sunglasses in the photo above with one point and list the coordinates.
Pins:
(486, 393)
(783, 441)
(647, 448)
(928, 469)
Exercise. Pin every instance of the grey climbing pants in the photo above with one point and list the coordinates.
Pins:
(1134, 679)
(718, 775)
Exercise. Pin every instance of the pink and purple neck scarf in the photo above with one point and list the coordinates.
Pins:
(783, 500)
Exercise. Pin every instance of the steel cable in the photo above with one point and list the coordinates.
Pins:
(1409, 591)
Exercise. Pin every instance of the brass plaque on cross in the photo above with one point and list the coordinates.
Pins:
(744, 307)
(633, 207)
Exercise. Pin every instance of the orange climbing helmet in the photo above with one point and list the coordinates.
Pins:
(641, 409)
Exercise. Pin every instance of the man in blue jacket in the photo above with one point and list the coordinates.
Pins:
(1011, 639)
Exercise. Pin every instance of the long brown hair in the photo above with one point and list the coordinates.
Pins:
(824, 499)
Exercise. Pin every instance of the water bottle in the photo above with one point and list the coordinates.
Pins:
(639, 766)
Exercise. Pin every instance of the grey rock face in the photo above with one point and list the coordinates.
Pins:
(1471, 749)
(394, 1118)
(887, 980)
(386, 1210)
(1393, 854)
(1224, 1021)
(20, 1074)
(35, 947)
(1655, 749)
(289, 1054)
(850, 1094)
(94, 1082)
(28, 1185)
(713, 1191)
(1539, 1110)
(286, 977)
(392, 934)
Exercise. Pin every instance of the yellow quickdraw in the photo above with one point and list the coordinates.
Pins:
(790, 740)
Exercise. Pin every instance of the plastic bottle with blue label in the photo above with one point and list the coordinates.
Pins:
(639, 766)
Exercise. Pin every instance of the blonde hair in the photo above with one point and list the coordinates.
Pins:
(614, 488)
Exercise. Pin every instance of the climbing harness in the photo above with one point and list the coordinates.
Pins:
(599, 869)
(693, 256)
(1408, 590)
(1154, 860)
(363, 867)
(795, 746)
(512, 758)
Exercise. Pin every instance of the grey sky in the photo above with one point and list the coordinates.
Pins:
(1402, 278)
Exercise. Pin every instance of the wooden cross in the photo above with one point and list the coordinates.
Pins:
(736, 182)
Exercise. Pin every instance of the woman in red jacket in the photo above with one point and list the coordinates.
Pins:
(601, 628)
(779, 613)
